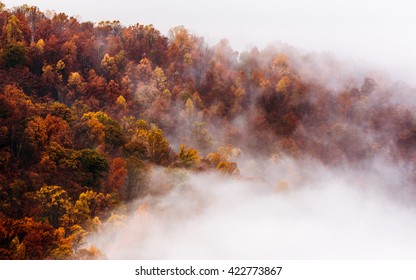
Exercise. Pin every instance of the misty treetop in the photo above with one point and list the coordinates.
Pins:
(87, 111)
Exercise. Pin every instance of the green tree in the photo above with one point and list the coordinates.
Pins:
(104, 129)
(89, 207)
(94, 163)
(54, 203)
(15, 51)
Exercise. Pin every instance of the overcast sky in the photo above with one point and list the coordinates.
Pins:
(380, 32)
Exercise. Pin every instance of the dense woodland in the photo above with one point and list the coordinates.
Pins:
(87, 111)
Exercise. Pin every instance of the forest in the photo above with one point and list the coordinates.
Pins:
(88, 111)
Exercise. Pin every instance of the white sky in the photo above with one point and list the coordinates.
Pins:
(381, 33)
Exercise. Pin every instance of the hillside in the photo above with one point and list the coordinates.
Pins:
(90, 112)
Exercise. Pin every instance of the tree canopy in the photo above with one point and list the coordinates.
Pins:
(88, 110)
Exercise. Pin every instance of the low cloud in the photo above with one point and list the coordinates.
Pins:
(290, 210)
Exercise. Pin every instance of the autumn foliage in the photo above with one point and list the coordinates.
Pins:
(88, 110)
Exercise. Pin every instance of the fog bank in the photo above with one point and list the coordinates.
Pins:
(301, 211)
